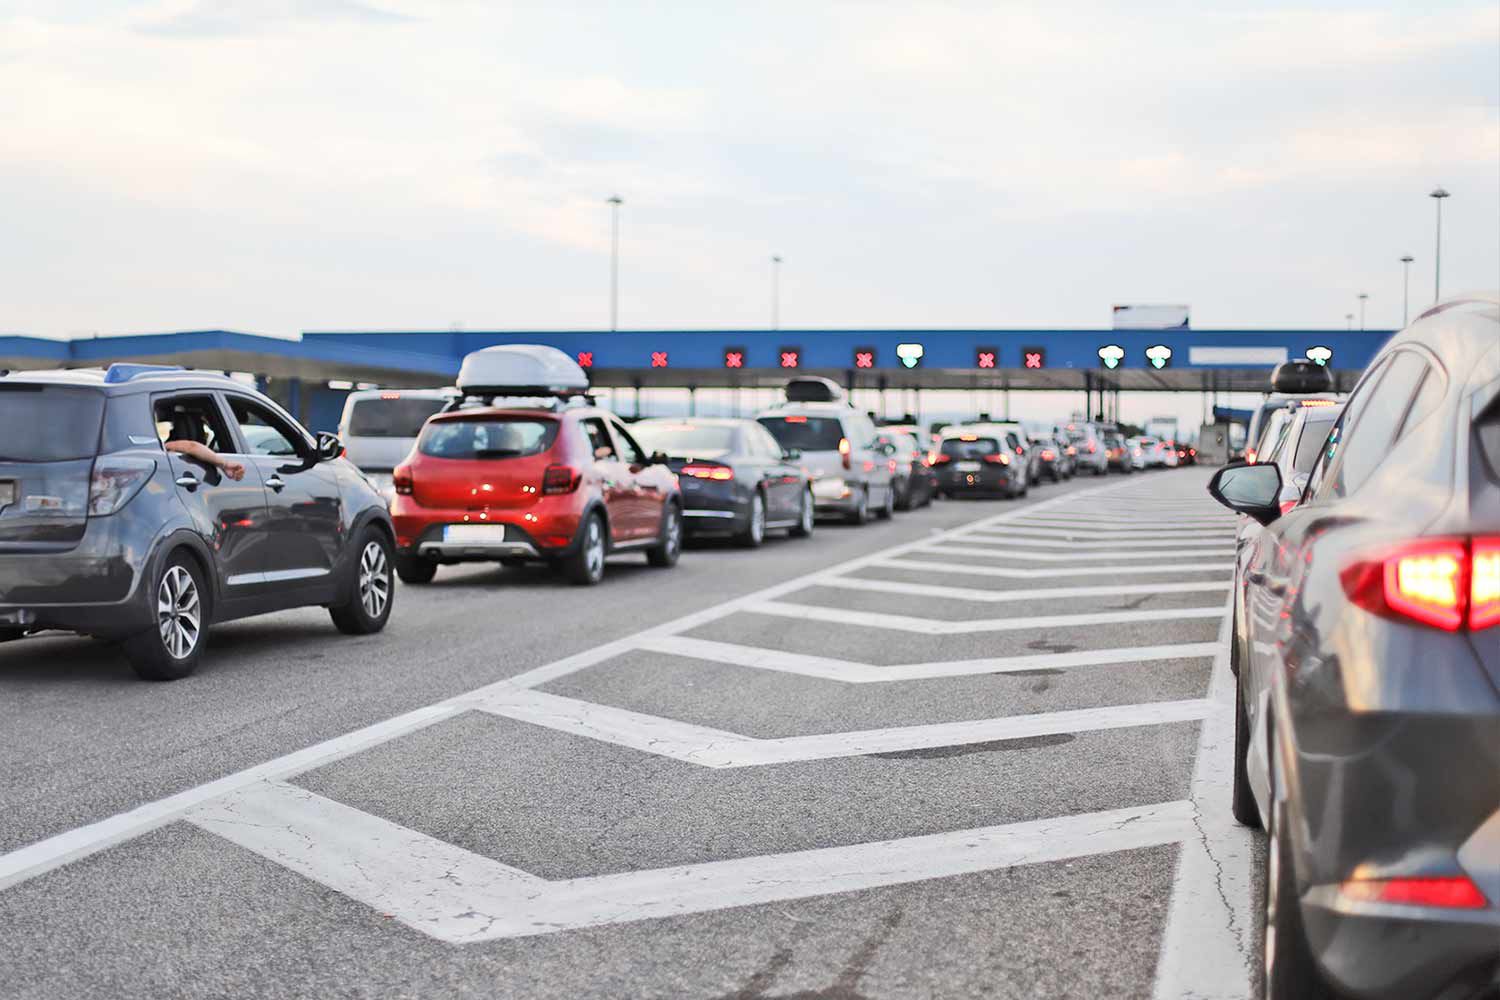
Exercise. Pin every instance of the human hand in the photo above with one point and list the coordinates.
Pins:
(234, 470)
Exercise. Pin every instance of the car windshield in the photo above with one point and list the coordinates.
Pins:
(974, 447)
(391, 416)
(60, 423)
(487, 438)
(685, 440)
(805, 433)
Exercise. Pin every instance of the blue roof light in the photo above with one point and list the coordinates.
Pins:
(124, 372)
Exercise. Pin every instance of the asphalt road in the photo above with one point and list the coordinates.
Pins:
(976, 751)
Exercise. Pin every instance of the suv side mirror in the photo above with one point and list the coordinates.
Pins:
(1253, 490)
(329, 447)
(791, 454)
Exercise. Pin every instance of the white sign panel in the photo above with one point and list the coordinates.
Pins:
(1236, 355)
(1151, 317)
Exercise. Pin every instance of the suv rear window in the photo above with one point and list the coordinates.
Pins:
(687, 440)
(391, 418)
(977, 448)
(62, 423)
(805, 433)
(487, 439)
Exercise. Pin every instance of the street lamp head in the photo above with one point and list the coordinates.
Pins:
(1407, 259)
(615, 199)
(775, 258)
(1439, 193)
(1364, 295)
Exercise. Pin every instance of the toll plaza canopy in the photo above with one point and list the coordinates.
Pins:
(1162, 360)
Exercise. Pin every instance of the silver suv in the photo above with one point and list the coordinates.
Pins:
(853, 475)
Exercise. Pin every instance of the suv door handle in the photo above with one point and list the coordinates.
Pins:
(188, 481)
(276, 483)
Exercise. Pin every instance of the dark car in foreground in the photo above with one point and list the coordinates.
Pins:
(981, 459)
(735, 479)
(121, 515)
(1366, 644)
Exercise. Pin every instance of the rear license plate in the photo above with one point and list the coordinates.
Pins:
(475, 534)
(7, 493)
(967, 466)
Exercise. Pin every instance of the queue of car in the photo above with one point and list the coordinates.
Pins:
(1365, 645)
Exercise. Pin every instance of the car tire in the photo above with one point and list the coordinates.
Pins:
(415, 569)
(861, 512)
(665, 553)
(888, 509)
(905, 495)
(172, 648)
(1242, 802)
(1291, 972)
(755, 525)
(371, 589)
(584, 566)
(806, 517)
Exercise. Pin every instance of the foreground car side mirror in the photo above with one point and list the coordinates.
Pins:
(329, 447)
(1253, 490)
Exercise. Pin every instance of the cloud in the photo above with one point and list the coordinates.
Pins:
(204, 19)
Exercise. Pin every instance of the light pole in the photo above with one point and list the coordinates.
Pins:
(1437, 195)
(1363, 298)
(614, 201)
(776, 291)
(1348, 321)
(1406, 288)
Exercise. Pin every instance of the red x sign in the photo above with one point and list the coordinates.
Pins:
(864, 359)
(585, 359)
(789, 359)
(734, 359)
(658, 359)
(986, 359)
(1033, 359)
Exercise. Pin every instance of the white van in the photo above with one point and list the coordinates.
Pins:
(379, 427)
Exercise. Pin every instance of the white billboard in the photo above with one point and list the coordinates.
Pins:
(1150, 318)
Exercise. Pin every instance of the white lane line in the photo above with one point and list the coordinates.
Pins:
(965, 569)
(1211, 923)
(1126, 524)
(852, 672)
(44, 855)
(944, 626)
(461, 897)
(715, 748)
(1005, 596)
(1028, 540)
(1008, 551)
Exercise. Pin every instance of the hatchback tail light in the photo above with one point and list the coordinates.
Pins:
(401, 480)
(1048, 455)
(1449, 893)
(1442, 582)
(115, 482)
(937, 458)
(718, 473)
(845, 451)
(1093, 447)
(559, 479)
(1000, 459)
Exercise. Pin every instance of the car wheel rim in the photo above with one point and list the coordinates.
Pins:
(674, 531)
(179, 615)
(757, 518)
(594, 553)
(374, 580)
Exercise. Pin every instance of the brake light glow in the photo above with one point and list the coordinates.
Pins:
(718, 473)
(1287, 506)
(937, 458)
(1048, 454)
(1250, 456)
(390, 395)
(1442, 582)
(559, 479)
(1318, 402)
(401, 480)
(796, 420)
(1093, 447)
(1449, 893)
(1000, 459)
(844, 452)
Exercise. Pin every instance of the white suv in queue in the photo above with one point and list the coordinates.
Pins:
(853, 476)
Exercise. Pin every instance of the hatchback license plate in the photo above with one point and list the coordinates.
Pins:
(479, 534)
(967, 466)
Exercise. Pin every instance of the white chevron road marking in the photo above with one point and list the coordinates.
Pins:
(1005, 596)
(944, 626)
(1036, 574)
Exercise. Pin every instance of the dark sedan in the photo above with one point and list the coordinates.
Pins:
(916, 483)
(736, 480)
(981, 459)
(1366, 641)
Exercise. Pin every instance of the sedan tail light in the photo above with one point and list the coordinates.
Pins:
(559, 479)
(937, 458)
(1442, 582)
(401, 480)
(1000, 459)
(844, 451)
(718, 473)
(1450, 893)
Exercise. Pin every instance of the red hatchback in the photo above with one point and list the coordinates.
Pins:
(564, 485)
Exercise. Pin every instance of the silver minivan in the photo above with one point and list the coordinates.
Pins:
(853, 476)
(379, 427)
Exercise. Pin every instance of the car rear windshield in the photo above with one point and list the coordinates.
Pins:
(686, 440)
(487, 438)
(391, 417)
(976, 448)
(49, 423)
(1314, 433)
(805, 433)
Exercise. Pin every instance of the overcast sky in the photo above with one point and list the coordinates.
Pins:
(287, 165)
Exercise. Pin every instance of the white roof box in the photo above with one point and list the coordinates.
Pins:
(521, 370)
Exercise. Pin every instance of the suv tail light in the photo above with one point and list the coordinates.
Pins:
(1441, 582)
(1452, 893)
(1000, 459)
(1093, 447)
(719, 473)
(401, 480)
(845, 451)
(559, 479)
(115, 482)
(938, 458)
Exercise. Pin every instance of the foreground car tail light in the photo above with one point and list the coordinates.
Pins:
(401, 480)
(718, 473)
(559, 479)
(844, 451)
(1453, 893)
(115, 482)
(1442, 582)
